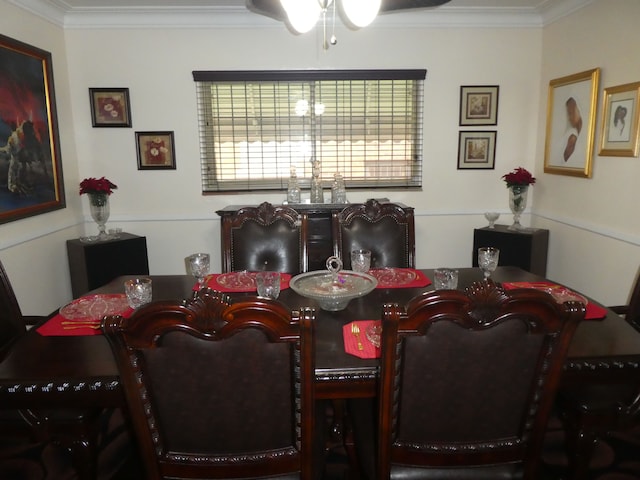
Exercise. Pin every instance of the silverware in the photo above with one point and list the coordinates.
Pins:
(355, 330)
(84, 325)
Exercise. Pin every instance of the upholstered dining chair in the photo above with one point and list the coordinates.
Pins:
(386, 229)
(467, 382)
(74, 429)
(266, 237)
(218, 390)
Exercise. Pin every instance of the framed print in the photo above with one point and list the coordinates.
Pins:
(479, 105)
(571, 115)
(621, 109)
(110, 107)
(476, 150)
(156, 151)
(30, 164)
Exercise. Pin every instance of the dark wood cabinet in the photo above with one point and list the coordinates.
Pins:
(320, 238)
(525, 248)
(93, 264)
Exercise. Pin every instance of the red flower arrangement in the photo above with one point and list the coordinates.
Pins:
(97, 185)
(519, 177)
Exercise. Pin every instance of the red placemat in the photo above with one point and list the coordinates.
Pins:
(593, 311)
(399, 277)
(238, 282)
(84, 315)
(369, 350)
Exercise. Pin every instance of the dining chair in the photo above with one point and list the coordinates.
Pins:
(467, 382)
(218, 390)
(266, 237)
(76, 430)
(631, 311)
(386, 229)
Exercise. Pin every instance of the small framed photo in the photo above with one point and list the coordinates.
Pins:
(476, 150)
(479, 105)
(571, 120)
(110, 107)
(620, 124)
(156, 151)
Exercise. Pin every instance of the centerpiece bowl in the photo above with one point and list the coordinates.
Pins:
(334, 288)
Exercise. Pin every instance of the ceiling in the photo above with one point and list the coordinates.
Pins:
(229, 13)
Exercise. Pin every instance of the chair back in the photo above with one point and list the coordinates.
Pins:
(386, 229)
(218, 390)
(633, 312)
(11, 323)
(468, 381)
(265, 237)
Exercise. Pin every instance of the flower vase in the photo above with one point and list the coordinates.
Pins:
(99, 206)
(517, 204)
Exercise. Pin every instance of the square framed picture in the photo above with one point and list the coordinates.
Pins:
(479, 105)
(620, 126)
(156, 151)
(571, 120)
(110, 107)
(476, 150)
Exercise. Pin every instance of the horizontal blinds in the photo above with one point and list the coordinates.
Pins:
(253, 131)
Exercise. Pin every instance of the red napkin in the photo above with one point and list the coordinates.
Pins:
(351, 341)
(238, 282)
(54, 327)
(593, 311)
(399, 278)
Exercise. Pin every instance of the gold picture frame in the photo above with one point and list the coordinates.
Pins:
(620, 121)
(571, 119)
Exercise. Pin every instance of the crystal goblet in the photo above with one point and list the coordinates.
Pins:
(488, 260)
(492, 217)
(199, 266)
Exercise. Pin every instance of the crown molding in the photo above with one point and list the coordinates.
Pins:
(60, 13)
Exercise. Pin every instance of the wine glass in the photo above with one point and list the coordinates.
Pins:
(488, 260)
(492, 217)
(199, 266)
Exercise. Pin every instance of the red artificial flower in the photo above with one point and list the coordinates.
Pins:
(97, 185)
(519, 176)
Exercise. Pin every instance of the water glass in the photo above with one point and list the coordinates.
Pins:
(138, 291)
(488, 259)
(199, 266)
(268, 284)
(445, 279)
(360, 260)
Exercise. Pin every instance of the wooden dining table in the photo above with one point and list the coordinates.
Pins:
(81, 371)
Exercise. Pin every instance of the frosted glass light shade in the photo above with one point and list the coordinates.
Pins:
(361, 12)
(302, 14)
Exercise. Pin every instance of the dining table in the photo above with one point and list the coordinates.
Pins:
(76, 369)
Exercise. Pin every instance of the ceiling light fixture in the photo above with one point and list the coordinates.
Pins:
(303, 15)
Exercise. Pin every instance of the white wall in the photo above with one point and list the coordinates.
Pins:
(167, 207)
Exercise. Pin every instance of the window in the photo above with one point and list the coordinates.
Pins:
(256, 125)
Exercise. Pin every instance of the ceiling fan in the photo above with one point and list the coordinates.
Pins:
(274, 8)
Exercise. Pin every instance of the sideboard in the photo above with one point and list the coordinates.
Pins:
(320, 241)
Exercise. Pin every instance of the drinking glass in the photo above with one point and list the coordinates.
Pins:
(488, 260)
(445, 279)
(199, 266)
(360, 260)
(138, 291)
(268, 284)
(492, 217)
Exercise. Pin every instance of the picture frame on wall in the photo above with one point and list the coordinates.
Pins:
(479, 105)
(110, 107)
(476, 150)
(620, 121)
(31, 180)
(571, 119)
(156, 151)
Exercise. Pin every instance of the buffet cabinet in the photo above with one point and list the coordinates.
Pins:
(94, 264)
(320, 238)
(526, 248)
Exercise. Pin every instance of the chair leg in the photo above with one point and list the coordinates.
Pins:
(580, 447)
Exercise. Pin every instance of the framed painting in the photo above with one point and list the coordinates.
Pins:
(571, 119)
(476, 150)
(620, 126)
(156, 151)
(110, 107)
(479, 105)
(30, 166)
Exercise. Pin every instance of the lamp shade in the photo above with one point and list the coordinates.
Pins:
(361, 12)
(302, 14)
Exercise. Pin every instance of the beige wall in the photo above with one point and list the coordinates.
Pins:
(166, 206)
